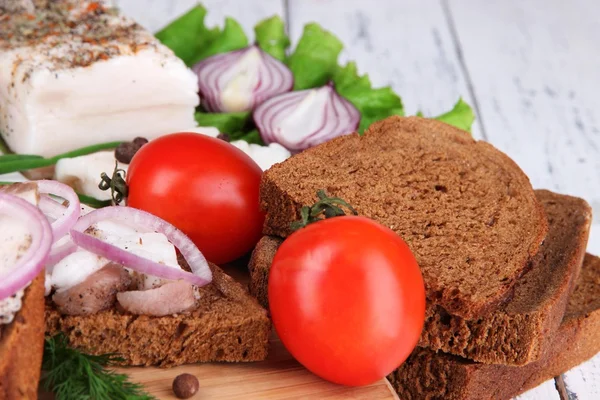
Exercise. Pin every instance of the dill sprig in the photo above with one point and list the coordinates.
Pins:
(73, 375)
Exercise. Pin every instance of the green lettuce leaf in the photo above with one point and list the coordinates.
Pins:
(231, 38)
(373, 104)
(271, 37)
(461, 116)
(347, 76)
(251, 137)
(314, 61)
(188, 35)
(224, 122)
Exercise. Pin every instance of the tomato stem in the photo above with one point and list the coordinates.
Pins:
(116, 184)
(328, 207)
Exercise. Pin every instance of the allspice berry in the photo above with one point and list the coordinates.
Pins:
(126, 150)
(224, 136)
(140, 141)
(185, 386)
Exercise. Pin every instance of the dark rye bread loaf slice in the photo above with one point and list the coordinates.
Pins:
(228, 325)
(519, 330)
(259, 267)
(431, 376)
(22, 346)
(467, 211)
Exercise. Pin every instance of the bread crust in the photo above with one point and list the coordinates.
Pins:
(430, 375)
(228, 325)
(518, 331)
(22, 346)
(466, 210)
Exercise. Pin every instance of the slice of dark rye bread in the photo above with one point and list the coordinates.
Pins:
(228, 325)
(466, 210)
(427, 375)
(22, 346)
(519, 330)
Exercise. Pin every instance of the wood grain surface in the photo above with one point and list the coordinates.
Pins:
(280, 377)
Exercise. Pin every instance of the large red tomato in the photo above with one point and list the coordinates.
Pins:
(205, 187)
(347, 299)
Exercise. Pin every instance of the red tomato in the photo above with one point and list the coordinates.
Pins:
(205, 187)
(347, 299)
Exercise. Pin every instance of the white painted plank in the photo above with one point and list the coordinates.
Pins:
(534, 68)
(403, 43)
(584, 381)
(155, 14)
(546, 391)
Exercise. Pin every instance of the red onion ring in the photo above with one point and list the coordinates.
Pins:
(32, 262)
(51, 208)
(64, 217)
(338, 117)
(201, 275)
(271, 76)
(60, 251)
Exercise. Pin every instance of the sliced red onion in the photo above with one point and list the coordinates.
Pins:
(302, 119)
(201, 275)
(64, 217)
(60, 249)
(240, 80)
(51, 208)
(15, 277)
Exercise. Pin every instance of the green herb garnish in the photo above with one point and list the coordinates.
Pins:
(188, 35)
(327, 207)
(231, 38)
(92, 201)
(271, 37)
(18, 157)
(374, 104)
(23, 162)
(461, 116)
(252, 137)
(192, 41)
(315, 58)
(224, 122)
(73, 375)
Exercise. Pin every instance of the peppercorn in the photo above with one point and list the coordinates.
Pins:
(185, 386)
(140, 141)
(224, 136)
(126, 150)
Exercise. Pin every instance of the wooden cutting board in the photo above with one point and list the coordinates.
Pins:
(279, 377)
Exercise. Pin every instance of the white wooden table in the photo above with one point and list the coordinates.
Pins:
(530, 68)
